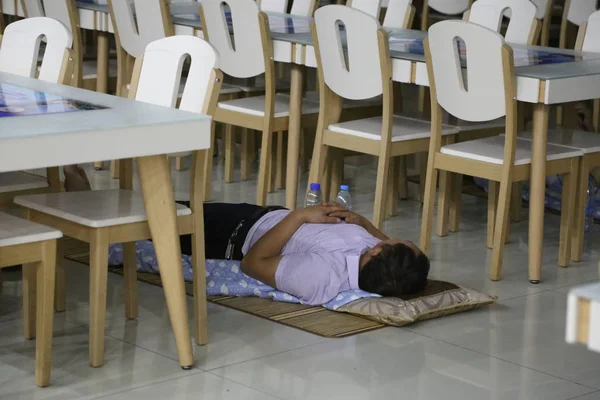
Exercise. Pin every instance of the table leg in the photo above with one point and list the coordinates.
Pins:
(156, 185)
(102, 68)
(294, 131)
(538, 190)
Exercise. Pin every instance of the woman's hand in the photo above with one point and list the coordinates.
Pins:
(321, 214)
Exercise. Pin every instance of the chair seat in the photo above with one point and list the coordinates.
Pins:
(588, 142)
(255, 85)
(462, 125)
(403, 128)
(18, 181)
(94, 209)
(90, 69)
(15, 231)
(348, 104)
(491, 150)
(256, 106)
(225, 88)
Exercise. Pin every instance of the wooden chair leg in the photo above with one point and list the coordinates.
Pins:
(567, 213)
(130, 276)
(492, 206)
(380, 186)
(179, 164)
(455, 202)
(443, 203)
(98, 165)
(337, 172)
(272, 164)
(60, 291)
(428, 203)
(246, 155)
(500, 231)
(208, 169)
(578, 236)
(53, 175)
(114, 169)
(263, 170)
(29, 272)
(392, 188)
(45, 313)
(281, 161)
(402, 178)
(200, 306)
(229, 152)
(422, 175)
(98, 286)
(516, 204)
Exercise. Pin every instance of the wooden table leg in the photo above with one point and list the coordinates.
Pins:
(294, 131)
(102, 68)
(538, 190)
(157, 189)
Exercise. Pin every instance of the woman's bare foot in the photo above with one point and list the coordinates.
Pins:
(75, 179)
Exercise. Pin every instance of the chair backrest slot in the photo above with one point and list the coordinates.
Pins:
(522, 14)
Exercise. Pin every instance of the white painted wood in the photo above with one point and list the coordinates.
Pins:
(594, 332)
(542, 7)
(140, 26)
(591, 41)
(484, 100)
(580, 10)
(361, 78)
(588, 142)
(15, 231)
(371, 7)
(491, 150)
(402, 129)
(396, 13)
(255, 105)
(572, 317)
(21, 43)
(301, 7)
(17, 181)
(33, 8)
(95, 209)
(279, 6)
(489, 13)
(450, 7)
(160, 76)
(244, 60)
(57, 9)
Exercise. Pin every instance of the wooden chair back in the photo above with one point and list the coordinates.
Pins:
(523, 27)
(33, 8)
(454, 7)
(589, 34)
(279, 6)
(399, 15)
(575, 12)
(371, 7)
(21, 46)
(305, 8)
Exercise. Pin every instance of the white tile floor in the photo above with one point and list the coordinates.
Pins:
(514, 349)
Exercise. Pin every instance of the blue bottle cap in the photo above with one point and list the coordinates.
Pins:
(345, 187)
(315, 186)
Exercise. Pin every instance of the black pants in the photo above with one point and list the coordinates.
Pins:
(220, 221)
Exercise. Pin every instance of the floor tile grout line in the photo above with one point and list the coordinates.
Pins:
(243, 384)
(583, 395)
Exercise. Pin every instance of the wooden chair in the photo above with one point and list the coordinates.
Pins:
(118, 216)
(575, 13)
(32, 8)
(504, 159)
(34, 246)
(400, 14)
(268, 113)
(366, 73)
(371, 7)
(544, 13)
(19, 55)
(442, 9)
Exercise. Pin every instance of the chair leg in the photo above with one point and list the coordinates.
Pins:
(392, 188)
(443, 203)
(53, 175)
(29, 272)
(229, 152)
(98, 165)
(208, 167)
(272, 163)
(516, 203)
(114, 169)
(567, 213)
(130, 276)
(200, 306)
(428, 202)
(580, 209)
(45, 313)
(337, 172)
(500, 231)
(380, 186)
(246, 154)
(60, 291)
(422, 175)
(98, 287)
(263, 169)
(179, 164)
(455, 202)
(492, 206)
(281, 161)
(402, 178)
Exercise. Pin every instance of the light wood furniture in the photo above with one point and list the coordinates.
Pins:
(504, 159)
(544, 14)
(361, 78)
(268, 113)
(19, 55)
(118, 216)
(575, 13)
(34, 246)
(583, 316)
(442, 9)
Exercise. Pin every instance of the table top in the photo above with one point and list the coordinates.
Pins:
(176, 8)
(84, 125)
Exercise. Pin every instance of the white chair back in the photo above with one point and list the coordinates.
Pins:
(580, 10)
(32, 8)
(371, 7)
(522, 23)
(138, 28)
(21, 46)
(162, 67)
(361, 78)
(396, 13)
(450, 7)
(58, 10)
(241, 55)
(591, 40)
(485, 98)
(542, 7)
(303, 7)
(279, 6)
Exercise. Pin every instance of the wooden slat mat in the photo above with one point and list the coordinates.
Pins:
(317, 320)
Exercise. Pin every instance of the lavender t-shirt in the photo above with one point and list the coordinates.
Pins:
(319, 261)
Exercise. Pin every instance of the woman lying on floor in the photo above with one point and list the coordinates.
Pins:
(312, 253)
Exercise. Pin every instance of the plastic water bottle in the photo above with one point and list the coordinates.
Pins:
(313, 197)
(343, 198)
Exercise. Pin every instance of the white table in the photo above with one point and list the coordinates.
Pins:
(126, 129)
(583, 316)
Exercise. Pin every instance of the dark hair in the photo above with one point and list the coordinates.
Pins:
(395, 271)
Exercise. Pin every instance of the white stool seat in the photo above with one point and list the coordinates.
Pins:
(462, 125)
(348, 104)
(491, 150)
(588, 142)
(17, 181)
(95, 209)
(403, 128)
(15, 231)
(90, 69)
(225, 89)
(256, 106)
